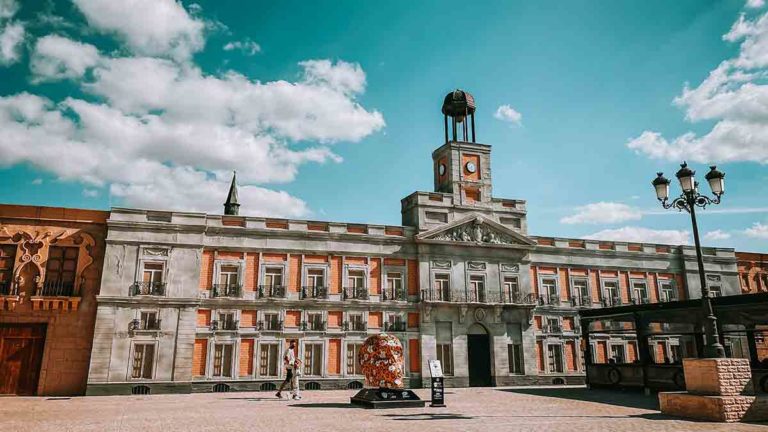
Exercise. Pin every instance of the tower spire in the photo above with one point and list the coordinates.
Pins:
(232, 207)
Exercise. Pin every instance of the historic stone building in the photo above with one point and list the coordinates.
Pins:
(50, 271)
(204, 302)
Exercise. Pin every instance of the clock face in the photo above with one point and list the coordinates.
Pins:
(471, 167)
(441, 169)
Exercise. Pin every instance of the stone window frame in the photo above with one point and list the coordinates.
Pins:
(263, 266)
(433, 278)
(144, 256)
(503, 275)
(715, 280)
(358, 340)
(574, 291)
(132, 352)
(267, 340)
(365, 268)
(617, 342)
(226, 340)
(402, 269)
(555, 277)
(554, 342)
(468, 278)
(218, 263)
(603, 291)
(647, 288)
(306, 267)
(364, 313)
(672, 288)
(305, 313)
(323, 343)
(146, 309)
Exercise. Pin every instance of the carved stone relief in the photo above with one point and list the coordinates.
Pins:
(475, 231)
(513, 268)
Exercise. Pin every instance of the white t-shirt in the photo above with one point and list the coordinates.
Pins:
(289, 358)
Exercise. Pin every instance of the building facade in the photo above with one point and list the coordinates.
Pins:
(203, 302)
(50, 272)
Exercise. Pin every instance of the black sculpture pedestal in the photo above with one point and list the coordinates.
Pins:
(387, 398)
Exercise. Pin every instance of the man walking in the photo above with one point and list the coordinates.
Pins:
(291, 364)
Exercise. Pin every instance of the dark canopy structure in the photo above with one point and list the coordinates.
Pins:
(662, 334)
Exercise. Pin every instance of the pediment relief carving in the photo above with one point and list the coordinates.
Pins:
(478, 230)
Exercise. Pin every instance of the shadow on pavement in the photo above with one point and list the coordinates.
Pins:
(632, 399)
(428, 416)
(325, 405)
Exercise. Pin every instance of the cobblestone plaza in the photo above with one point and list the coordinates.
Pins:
(468, 409)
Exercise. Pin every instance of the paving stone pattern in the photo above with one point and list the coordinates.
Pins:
(470, 409)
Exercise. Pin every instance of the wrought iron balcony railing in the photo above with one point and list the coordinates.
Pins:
(138, 325)
(56, 289)
(270, 325)
(611, 301)
(271, 291)
(552, 329)
(225, 325)
(394, 294)
(486, 297)
(147, 289)
(581, 301)
(313, 325)
(667, 297)
(355, 326)
(227, 290)
(357, 293)
(549, 300)
(640, 300)
(396, 326)
(315, 292)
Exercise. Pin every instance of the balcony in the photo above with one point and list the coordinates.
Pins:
(274, 291)
(577, 301)
(356, 293)
(151, 325)
(355, 326)
(640, 300)
(549, 300)
(227, 290)
(393, 294)
(56, 289)
(147, 289)
(225, 325)
(396, 326)
(667, 297)
(611, 301)
(314, 292)
(270, 325)
(315, 325)
(486, 297)
(552, 329)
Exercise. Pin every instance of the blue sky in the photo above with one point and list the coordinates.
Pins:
(330, 109)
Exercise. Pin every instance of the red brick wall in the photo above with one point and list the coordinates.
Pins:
(374, 273)
(540, 356)
(334, 356)
(413, 277)
(251, 272)
(294, 270)
(413, 320)
(292, 318)
(414, 355)
(199, 357)
(248, 318)
(206, 270)
(374, 320)
(334, 319)
(570, 356)
(246, 357)
(336, 275)
(203, 317)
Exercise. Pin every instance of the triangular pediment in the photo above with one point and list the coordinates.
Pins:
(476, 229)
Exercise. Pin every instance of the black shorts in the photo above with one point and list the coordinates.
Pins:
(288, 374)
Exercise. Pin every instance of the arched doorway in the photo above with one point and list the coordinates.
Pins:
(479, 356)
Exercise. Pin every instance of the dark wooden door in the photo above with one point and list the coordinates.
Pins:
(21, 354)
(479, 350)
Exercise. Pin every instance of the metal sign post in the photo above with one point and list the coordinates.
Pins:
(436, 372)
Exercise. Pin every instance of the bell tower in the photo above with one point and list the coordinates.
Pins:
(462, 167)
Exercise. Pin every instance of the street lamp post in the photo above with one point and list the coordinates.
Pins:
(688, 201)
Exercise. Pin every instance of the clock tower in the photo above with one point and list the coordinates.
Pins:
(462, 167)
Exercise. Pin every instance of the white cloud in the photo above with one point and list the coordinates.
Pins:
(90, 193)
(149, 27)
(37, 181)
(643, 235)
(734, 96)
(247, 46)
(11, 39)
(754, 4)
(8, 9)
(347, 78)
(602, 212)
(57, 57)
(758, 230)
(717, 235)
(508, 114)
